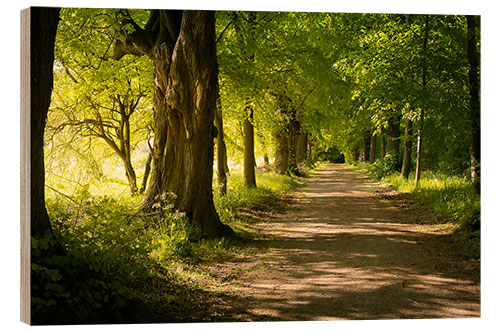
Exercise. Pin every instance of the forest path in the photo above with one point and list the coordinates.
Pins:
(347, 249)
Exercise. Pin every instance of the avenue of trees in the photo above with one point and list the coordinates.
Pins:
(167, 104)
(283, 87)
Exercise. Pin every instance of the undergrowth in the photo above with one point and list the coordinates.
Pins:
(116, 260)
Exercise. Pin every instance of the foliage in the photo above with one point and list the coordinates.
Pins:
(332, 155)
(385, 167)
(70, 288)
(270, 186)
(340, 76)
(100, 106)
(110, 248)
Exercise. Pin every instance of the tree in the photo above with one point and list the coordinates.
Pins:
(42, 36)
(96, 96)
(420, 128)
(473, 59)
(221, 151)
(373, 143)
(181, 46)
(249, 155)
(408, 141)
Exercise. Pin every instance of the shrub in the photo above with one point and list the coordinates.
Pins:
(385, 167)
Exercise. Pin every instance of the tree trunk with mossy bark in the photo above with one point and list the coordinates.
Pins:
(181, 46)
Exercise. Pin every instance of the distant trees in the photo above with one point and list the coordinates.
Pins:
(402, 71)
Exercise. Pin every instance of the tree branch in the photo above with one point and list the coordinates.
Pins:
(139, 42)
(224, 30)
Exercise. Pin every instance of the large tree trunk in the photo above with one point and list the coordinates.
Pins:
(221, 151)
(181, 45)
(474, 101)
(418, 169)
(42, 36)
(408, 142)
(249, 155)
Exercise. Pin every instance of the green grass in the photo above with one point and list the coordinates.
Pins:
(105, 234)
(269, 187)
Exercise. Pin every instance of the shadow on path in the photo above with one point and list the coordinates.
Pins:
(344, 252)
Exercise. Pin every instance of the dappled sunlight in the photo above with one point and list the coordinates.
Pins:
(336, 256)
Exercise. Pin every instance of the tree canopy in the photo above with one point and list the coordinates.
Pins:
(308, 84)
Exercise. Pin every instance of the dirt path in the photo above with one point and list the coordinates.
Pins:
(345, 250)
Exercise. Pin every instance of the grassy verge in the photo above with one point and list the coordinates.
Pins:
(122, 266)
(452, 198)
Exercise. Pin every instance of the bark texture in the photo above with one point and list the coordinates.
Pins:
(181, 45)
(43, 32)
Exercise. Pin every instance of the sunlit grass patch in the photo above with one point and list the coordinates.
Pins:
(452, 196)
(269, 187)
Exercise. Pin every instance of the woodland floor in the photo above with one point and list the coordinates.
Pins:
(343, 247)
